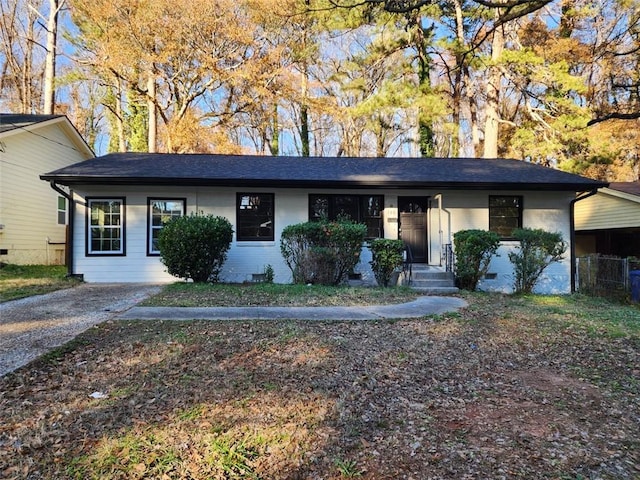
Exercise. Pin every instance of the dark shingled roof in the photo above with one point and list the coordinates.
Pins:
(632, 188)
(327, 172)
(11, 121)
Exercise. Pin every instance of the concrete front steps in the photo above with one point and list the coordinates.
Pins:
(430, 280)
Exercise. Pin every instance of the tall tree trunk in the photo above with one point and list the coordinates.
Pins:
(473, 117)
(122, 144)
(421, 42)
(380, 147)
(458, 83)
(151, 107)
(274, 143)
(26, 72)
(50, 60)
(304, 130)
(492, 120)
(304, 115)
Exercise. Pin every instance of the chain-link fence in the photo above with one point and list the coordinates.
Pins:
(604, 275)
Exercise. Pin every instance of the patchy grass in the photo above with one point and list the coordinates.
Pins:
(514, 387)
(272, 294)
(19, 281)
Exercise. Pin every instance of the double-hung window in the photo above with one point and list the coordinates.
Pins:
(62, 210)
(105, 226)
(505, 214)
(365, 209)
(160, 211)
(254, 217)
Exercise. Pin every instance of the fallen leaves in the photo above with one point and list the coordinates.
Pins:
(506, 389)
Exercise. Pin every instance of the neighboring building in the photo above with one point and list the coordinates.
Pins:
(33, 217)
(608, 223)
(121, 201)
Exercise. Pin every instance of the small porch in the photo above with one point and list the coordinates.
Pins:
(428, 279)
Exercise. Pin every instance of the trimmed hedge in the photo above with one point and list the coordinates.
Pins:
(473, 250)
(195, 247)
(322, 252)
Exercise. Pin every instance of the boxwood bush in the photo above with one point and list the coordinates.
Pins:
(473, 250)
(323, 252)
(195, 246)
(387, 256)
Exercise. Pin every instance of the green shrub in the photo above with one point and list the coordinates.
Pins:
(386, 257)
(473, 249)
(537, 250)
(322, 252)
(269, 273)
(195, 246)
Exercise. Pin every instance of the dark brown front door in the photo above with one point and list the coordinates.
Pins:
(413, 226)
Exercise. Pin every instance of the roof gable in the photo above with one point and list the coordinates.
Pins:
(14, 121)
(629, 191)
(17, 124)
(329, 172)
(631, 188)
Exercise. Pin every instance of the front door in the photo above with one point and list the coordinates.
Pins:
(413, 226)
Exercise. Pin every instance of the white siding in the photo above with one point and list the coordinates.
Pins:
(28, 206)
(607, 209)
(545, 210)
(460, 210)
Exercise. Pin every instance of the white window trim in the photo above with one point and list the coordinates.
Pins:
(63, 211)
(120, 226)
(150, 226)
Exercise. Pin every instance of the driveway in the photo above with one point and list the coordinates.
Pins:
(32, 326)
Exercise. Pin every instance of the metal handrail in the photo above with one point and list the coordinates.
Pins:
(407, 264)
(447, 254)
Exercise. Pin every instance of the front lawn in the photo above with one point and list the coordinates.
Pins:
(19, 281)
(273, 294)
(510, 387)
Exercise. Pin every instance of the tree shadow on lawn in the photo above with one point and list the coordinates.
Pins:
(448, 397)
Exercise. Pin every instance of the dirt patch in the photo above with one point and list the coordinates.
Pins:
(552, 382)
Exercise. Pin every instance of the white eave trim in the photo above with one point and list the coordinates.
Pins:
(619, 194)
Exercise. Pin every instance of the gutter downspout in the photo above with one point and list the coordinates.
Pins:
(572, 233)
(439, 198)
(72, 211)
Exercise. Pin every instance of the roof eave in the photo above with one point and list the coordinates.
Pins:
(71, 180)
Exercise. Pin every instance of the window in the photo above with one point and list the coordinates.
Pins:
(105, 225)
(62, 210)
(160, 211)
(254, 215)
(505, 214)
(365, 209)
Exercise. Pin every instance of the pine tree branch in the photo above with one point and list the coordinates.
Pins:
(614, 116)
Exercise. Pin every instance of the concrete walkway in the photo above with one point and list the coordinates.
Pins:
(418, 308)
